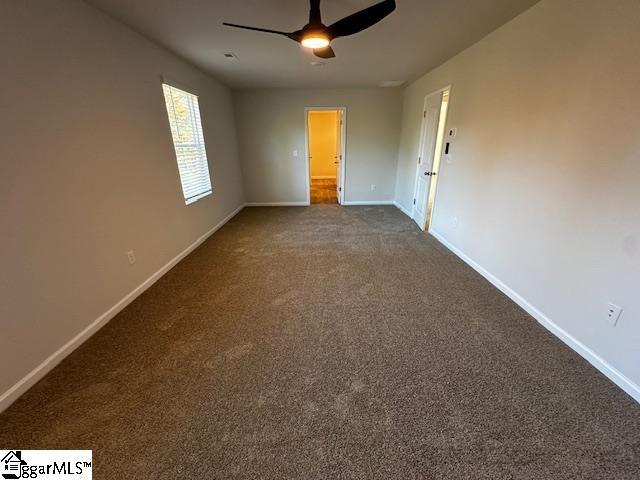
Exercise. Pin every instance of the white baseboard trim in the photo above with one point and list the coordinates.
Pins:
(11, 395)
(368, 202)
(277, 204)
(593, 358)
(403, 210)
(306, 204)
(323, 177)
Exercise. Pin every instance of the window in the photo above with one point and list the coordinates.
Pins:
(188, 141)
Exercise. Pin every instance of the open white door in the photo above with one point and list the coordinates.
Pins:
(338, 161)
(431, 124)
(335, 156)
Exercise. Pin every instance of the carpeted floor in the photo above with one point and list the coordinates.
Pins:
(328, 342)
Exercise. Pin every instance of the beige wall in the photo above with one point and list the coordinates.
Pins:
(543, 181)
(323, 143)
(271, 126)
(545, 173)
(88, 172)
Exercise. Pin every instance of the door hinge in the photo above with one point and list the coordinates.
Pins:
(424, 114)
(339, 189)
(414, 201)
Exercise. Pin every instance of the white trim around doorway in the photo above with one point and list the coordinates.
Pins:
(343, 149)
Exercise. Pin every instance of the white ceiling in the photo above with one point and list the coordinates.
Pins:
(418, 36)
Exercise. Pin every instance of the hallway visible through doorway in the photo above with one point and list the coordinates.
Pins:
(325, 140)
(323, 190)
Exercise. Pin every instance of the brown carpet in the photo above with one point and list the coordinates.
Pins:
(329, 342)
(323, 191)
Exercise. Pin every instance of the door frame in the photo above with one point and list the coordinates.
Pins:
(343, 149)
(423, 127)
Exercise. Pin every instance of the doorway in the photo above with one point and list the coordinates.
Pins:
(325, 155)
(432, 132)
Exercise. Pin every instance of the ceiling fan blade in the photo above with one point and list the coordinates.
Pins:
(326, 52)
(361, 20)
(256, 29)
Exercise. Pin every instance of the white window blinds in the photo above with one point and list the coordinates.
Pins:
(188, 141)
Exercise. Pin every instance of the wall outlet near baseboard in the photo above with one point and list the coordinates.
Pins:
(131, 256)
(373, 187)
(455, 222)
(613, 313)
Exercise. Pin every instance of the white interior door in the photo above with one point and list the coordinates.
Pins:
(338, 160)
(425, 159)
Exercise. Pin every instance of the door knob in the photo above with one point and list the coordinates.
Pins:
(429, 174)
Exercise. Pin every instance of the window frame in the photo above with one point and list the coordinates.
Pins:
(197, 120)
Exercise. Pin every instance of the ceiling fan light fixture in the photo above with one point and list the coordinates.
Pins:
(315, 41)
(317, 36)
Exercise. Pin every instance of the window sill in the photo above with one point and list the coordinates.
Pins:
(198, 197)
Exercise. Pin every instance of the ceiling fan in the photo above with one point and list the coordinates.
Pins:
(317, 36)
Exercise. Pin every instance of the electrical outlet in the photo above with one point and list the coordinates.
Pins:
(455, 222)
(613, 313)
(295, 153)
(373, 187)
(131, 256)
